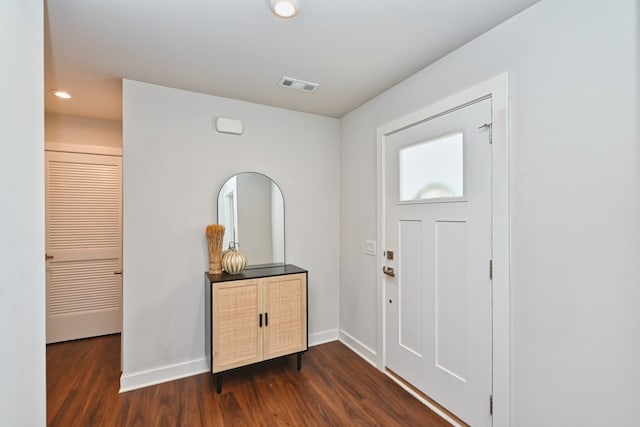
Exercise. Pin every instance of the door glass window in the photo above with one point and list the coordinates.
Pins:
(432, 169)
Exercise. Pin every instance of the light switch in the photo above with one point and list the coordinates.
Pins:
(371, 247)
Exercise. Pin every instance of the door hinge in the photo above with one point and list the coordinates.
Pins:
(491, 405)
(491, 269)
(490, 126)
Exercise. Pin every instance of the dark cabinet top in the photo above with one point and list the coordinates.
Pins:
(255, 273)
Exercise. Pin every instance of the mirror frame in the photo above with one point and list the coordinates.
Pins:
(284, 246)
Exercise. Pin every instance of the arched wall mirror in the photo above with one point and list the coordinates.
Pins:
(251, 208)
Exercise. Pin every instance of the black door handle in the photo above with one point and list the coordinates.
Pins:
(388, 271)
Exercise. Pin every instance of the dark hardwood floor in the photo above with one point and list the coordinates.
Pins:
(334, 388)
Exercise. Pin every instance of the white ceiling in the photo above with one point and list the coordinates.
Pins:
(355, 49)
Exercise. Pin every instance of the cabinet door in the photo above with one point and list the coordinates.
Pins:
(285, 304)
(237, 336)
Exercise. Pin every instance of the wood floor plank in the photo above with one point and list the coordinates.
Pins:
(334, 388)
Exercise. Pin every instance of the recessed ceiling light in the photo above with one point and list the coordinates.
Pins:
(284, 8)
(62, 94)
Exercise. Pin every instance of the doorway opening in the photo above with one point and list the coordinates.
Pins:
(87, 153)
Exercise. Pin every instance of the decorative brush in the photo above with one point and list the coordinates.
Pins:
(215, 235)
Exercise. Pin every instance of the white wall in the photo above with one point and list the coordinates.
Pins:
(82, 130)
(174, 165)
(22, 352)
(575, 204)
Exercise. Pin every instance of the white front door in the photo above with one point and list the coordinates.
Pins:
(437, 200)
(83, 199)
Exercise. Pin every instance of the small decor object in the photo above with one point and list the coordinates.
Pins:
(234, 261)
(215, 234)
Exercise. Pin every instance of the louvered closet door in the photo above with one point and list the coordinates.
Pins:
(83, 244)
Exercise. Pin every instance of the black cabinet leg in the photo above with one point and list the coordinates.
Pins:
(299, 361)
(219, 383)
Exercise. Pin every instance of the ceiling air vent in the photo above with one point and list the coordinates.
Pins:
(297, 84)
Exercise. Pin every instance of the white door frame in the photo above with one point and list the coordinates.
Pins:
(498, 89)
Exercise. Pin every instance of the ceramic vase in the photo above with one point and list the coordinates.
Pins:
(233, 261)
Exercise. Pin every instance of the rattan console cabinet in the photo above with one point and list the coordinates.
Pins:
(257, 315)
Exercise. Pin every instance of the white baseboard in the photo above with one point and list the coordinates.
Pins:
(323, 337)
(357, 347)
(164, 374)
